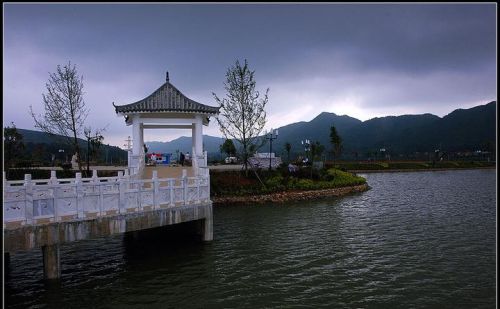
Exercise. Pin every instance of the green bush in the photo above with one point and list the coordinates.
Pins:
(66, 166)
(275, 183)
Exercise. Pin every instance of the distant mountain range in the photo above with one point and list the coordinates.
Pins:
(461, 130)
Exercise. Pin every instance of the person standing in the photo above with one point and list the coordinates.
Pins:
(181, 159)
(145, 153)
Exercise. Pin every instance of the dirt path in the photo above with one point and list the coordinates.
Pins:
(167, 171)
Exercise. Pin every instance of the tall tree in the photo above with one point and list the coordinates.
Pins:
(336, 142)
(316, 150)
(65, 110)
(228, 147)
(242, 115)
(288, 148)
(13, 145)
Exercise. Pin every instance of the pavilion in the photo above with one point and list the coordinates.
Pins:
(165, 108)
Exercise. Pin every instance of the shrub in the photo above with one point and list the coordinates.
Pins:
(275, 183)
(66, 166)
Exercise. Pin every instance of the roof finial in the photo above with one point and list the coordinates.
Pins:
(168, 79)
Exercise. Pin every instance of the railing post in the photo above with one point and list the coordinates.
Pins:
(79, 196)
(140, 187)
(54, 184)
(184, 186)
(28, 206)
(121, 193)
(156, 190)
(208, 183)
(171, 183)
(97, 183)
(198, 181)
(126, 188)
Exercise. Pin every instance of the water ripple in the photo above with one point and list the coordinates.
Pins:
(416, 240)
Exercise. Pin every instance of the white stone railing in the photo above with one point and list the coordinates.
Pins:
(53, 200)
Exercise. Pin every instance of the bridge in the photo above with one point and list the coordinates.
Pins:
(46, 213)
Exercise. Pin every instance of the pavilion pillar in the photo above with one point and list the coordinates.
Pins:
(141, 137)
(136, 135)
(194, 139)
(198, 132)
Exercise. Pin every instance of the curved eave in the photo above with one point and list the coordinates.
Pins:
(166, 99)
(142, 111)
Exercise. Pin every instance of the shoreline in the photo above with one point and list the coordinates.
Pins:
(286, 196)
(421, 169)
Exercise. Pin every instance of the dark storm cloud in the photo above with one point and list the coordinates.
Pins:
(402, 37)
(362, 60)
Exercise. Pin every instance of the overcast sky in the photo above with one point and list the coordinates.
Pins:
(361, 60)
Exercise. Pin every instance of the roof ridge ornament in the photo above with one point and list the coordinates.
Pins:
(168, 79)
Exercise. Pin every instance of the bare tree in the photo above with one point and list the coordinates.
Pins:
(94, 143)
(65, 110)
(242, 115)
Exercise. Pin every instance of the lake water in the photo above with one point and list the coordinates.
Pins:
(415, 240)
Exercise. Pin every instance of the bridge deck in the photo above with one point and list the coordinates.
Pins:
(47, 213)
(29, 237)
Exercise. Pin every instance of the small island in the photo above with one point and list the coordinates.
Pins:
(281, 185)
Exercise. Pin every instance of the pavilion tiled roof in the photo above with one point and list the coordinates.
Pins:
(167, 98)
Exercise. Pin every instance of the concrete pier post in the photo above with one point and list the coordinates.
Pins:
(6, 264)
(208, 233)
(6, 259)
(51, 262)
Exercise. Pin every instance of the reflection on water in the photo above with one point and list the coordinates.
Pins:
(422, 240)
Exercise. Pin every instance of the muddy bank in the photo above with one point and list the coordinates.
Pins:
(282, 197)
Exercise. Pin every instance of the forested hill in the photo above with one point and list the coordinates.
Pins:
(40, 146)
(461, 130)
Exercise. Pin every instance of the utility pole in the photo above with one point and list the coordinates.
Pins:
(272, 135)
(129, 143)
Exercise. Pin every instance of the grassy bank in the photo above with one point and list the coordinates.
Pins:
(236, 183)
